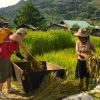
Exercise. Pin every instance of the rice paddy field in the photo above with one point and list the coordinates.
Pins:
(57, 47)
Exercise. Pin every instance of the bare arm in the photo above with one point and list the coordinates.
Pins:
(77, 49)
(16, 37)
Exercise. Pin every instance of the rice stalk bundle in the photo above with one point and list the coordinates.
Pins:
(35, 65)
(93, 65)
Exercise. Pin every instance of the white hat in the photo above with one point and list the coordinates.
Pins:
(21, 31)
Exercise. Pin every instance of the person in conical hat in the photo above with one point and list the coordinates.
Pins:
(84, 46)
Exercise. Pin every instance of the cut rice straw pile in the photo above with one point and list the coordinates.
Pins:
(55, 88)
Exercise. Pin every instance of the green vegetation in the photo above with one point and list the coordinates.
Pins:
(30, 15)
(53, 88)
(55, 11)
(41, 42)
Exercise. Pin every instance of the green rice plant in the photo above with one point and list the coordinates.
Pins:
(96, 40)
(61, 38)
(40, 42)
(64, 58)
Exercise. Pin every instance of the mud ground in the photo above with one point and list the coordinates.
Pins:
(21, 95)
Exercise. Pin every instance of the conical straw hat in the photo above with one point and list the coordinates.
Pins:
(82, 33)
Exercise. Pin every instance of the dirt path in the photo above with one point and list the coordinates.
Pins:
(18, 96)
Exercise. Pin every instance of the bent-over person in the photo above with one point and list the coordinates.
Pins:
(7, 48)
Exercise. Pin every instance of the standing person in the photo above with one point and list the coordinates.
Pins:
(3, 26)
(84, 46)
(10, 46)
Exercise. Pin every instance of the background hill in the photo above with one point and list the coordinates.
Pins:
(56, 10)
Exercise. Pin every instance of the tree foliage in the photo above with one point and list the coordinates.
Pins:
(56, 10)
(30, 15)
(90, 30)
(75, 27)
(2, 17)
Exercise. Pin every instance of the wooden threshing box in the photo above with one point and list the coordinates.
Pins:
(30, 79)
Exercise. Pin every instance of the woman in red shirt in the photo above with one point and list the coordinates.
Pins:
(10, 46)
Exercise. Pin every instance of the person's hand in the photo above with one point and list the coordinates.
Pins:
(35, 65)
(29, 58)
(83, 56)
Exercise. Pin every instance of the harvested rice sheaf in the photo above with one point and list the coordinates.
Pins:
(35, 65)
(93, 65)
